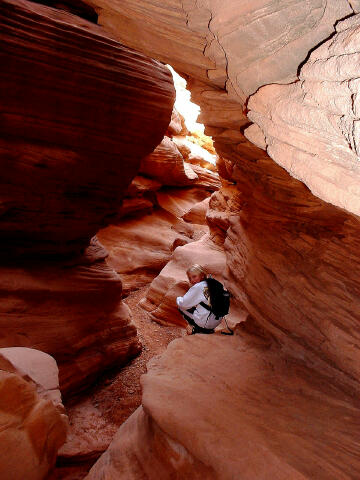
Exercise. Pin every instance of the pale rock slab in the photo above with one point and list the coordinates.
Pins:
(311, 128)
(33, 425)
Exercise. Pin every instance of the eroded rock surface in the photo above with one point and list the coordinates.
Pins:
(35, 367)
(245, 44)
(287, 394)
(218, 408)
(152, 219)
(72, 310)
(139, 247)
(32, 423)
(79, 111)
(291, 259)
(172, 282)
(311, 128)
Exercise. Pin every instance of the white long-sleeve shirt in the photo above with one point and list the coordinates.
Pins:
(192, 298)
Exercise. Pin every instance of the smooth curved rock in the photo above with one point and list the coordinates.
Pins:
(35, 367)
(140, 247)
(240, 45)
(288, 398)
(139, 440)
(166, 165)
(72, 311)
(197, 214)
(195, 154)
(79, 112)
(179, 201)
(223, 203)
(219, 407)
(32, 424)
(177, 125)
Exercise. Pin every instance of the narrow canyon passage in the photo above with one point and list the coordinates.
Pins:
(96, 415)
(105, 204)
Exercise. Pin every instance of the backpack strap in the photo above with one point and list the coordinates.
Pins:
(191, 310)
(207, 307)
(230, 332)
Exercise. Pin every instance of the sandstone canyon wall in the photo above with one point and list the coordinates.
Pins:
(78, 112)
(164, 207)
(278, 237)
(280, 398)
(286, 390)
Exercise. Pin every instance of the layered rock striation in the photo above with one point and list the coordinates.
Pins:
(156, 216)
(285, 388)
(78, 112)
(73, 310)
(267, 416)
(160, 300)
(291, 258)
(311, 127)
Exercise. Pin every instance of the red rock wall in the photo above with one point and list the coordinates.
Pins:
(156, 215)
(72, 310)
(78, 112)
(291, 257)
(311, 128)
(274, 401)
(235, 408)
(280, 401)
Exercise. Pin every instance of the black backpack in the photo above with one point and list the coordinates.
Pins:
(219, 300)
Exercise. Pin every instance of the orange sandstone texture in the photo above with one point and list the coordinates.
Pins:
(311, 128)
(79, 111)
(151, 222)
(72, 310)
(287, 407)
(237, 45)
(226, 408)
(160, 300)
(32, 423)
(140, 246)
(292, 259)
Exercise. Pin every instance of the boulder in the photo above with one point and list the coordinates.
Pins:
(166, 165)
(35, 367)
(32, 424)
(197, 213)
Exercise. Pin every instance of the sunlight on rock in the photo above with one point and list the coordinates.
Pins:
(201, 145)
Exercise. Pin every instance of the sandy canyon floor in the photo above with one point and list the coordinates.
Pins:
(98, 413)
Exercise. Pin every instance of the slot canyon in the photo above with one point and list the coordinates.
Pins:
(108, 196)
